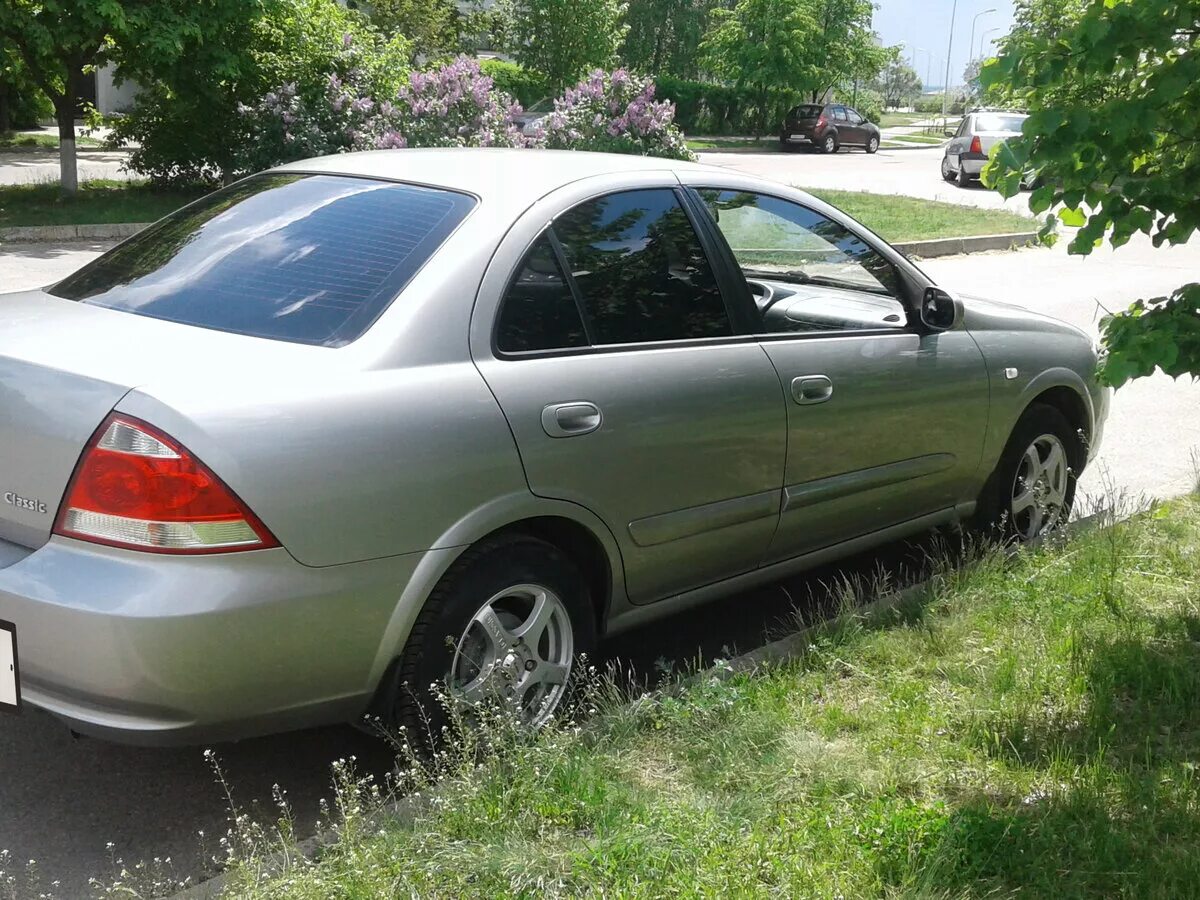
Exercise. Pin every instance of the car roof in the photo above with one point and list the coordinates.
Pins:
(486, 172)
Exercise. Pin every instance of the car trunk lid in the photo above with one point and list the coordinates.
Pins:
(64, 366)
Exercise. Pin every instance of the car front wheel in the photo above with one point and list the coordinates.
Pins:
(502, 629)
(1032, 490)
(947, 172)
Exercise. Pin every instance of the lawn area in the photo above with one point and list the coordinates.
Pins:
(1029, 727)
(917, 139)
(765, 145)
(897, 218)
(42, 140)
(892, 119)
(97, 202)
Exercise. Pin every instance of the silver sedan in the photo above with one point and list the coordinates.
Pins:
(365, 424)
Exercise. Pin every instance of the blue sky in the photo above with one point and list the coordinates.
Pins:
(926, 24)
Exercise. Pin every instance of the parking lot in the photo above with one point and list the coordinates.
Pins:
(64, 800)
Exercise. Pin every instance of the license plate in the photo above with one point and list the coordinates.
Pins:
(10, 679)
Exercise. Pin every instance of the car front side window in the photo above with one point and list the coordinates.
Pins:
(640, 271)
(807, 272)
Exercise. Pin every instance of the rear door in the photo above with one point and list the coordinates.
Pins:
(630, 387)
(885, 424)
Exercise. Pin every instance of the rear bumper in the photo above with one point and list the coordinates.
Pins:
(152, 649)
(797, 137)
(972, 164)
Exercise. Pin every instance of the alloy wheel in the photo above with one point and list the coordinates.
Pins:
(830, 144)
(516, 650)
(1039, 491)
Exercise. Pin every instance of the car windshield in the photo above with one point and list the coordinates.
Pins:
(808, 111)
(991, 122)
(310, 259)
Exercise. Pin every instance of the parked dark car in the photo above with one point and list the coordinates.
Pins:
(828, 127)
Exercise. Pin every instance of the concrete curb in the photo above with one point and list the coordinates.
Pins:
(38, 234)
(954, 246)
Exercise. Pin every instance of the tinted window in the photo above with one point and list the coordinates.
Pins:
(640, 270)
(855, 118)
(539, 310)
(808, 111)
(312, 259)
(833, 270)
(839, 113)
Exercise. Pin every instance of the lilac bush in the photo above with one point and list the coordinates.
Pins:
(455, 105)
(614, 112)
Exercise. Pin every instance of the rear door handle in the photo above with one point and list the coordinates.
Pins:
(810, 389)
(560, 420)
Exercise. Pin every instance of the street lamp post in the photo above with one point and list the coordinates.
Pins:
(974, 21)
(983, 39)
(949, 54)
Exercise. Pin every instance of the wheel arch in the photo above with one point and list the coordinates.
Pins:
(574, 529)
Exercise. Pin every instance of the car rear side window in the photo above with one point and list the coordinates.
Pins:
(640, 270)
(539, 310)
(311, 259)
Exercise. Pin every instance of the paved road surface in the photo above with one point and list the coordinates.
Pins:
(36, 168)
(912, 173)
(62, 800)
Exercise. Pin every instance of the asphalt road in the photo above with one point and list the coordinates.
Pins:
(63, 800)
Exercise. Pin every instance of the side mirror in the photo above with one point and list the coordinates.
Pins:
(949, 132)
(940, 311)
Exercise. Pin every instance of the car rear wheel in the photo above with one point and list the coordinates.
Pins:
(829, 143)
(1032, 490)
(872, 144)
(502, 629)
(964, 180)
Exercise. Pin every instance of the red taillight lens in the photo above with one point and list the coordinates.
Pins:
(821, 122)
(976, 145)
(136, 487)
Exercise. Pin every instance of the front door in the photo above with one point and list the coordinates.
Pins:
(885, 424)
(630, 392)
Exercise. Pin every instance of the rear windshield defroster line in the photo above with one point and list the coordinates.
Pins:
(310, 259)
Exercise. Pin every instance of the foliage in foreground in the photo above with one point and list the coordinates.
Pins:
(1114, 136)
(1029, 728)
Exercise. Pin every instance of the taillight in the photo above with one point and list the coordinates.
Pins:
(976, 145)
(136, 487)
(821, 122)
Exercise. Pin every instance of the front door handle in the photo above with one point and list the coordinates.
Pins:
(560, 420)
(810, 389)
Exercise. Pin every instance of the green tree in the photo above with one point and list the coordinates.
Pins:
(664, 36)
(898, 82)
(971, 79)
(765, 47)
(186, 123)
(1113, 90)
(430, 26)
(563, 39)
(57, 39)
(847, 51)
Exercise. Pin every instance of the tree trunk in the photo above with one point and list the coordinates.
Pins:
(5, 120)
(64, 114)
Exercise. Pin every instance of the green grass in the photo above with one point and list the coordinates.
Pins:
(701, 145)
(891, 120)
(97, 202)
(42, 140)
(897, 218)
(1030, 727)
(917, 139)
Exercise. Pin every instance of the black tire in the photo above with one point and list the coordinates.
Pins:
(994, 515)
(872, 144)
(481, 572)
(947, 172)
(829, 143)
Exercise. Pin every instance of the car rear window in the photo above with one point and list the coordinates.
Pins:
(806, 112)
(311, 259)
(999, 123)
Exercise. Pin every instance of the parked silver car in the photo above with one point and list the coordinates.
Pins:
(371, 422)
(969, 147)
